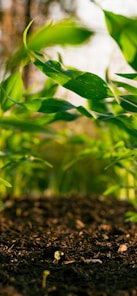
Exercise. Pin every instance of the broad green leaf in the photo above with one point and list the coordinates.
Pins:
(56, 71)
(29, 126)
(11, 87)
(85, 84)
(53, 105)
(64, 32)
(124, 31)
(5, 183)
(89, 86)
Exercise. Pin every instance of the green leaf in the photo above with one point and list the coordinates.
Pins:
(129, 121)
(5, 183)
(85, 84)
(124, 31)
(65, 32)
(126, 123)
(61, 116)
(33, 105)
(111, 190)
(84, 111)
(132, 76)
(66, 116)
(25, 34)
(49, 89)
(53, 105)
(29, 126)
(129, 103)
(12, 88)
(17, 159)
(89, 86)
(55, 70)
(129, 88)
(131, 216)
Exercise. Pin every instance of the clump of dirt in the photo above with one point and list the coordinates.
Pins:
(67, 246)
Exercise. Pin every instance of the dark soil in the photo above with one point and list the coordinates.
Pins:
(84, 243)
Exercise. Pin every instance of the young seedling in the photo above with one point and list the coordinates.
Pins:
(44, 279)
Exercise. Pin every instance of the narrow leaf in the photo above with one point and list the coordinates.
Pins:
(129, 103)
(132, 76)
(131, 216)
(111, 190)
(29, 126)
(5, 183)
(25, 34)
(11, 87)
(129, 88)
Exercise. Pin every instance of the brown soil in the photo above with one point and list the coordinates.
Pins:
(84, 243)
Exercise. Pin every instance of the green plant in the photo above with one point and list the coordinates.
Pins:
(24, 131)
(111, 106)
(44, 279)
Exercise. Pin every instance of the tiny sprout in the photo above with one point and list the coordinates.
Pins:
(45, 275)
(58, 256)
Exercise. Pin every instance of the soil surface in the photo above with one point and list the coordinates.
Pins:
(67, 246)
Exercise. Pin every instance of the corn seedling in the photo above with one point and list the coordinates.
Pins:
(44, 279)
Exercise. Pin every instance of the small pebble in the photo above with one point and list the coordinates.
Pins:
(122, 248)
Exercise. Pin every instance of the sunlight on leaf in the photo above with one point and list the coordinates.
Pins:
(33, 105)
(25, 34)
(64, 32)
(11, 87)
(124, 32)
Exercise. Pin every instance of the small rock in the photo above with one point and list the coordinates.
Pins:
(122, 248)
